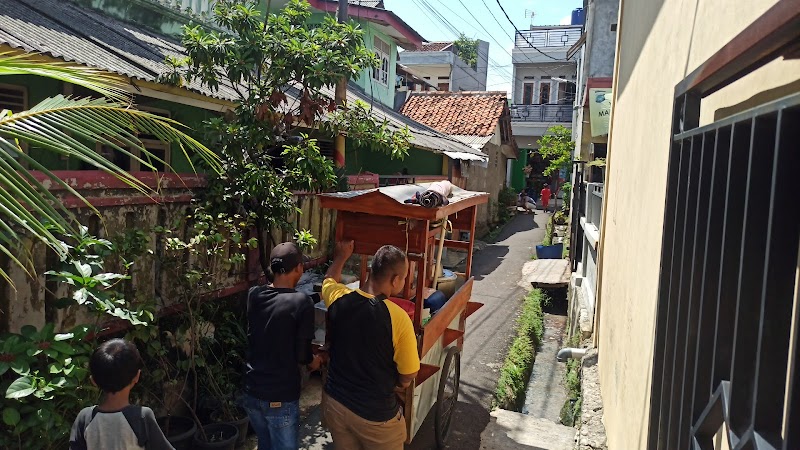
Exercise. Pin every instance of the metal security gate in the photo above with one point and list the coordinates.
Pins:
(725, 369)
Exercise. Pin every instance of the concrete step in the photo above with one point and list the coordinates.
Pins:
(513, 430)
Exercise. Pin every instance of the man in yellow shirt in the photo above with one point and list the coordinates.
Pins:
(373, 350)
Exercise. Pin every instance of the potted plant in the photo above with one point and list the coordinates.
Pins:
(221, 377)
(195, 252)
(548, 250)
(218, 436)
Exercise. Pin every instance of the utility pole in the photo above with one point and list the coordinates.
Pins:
(341, 92)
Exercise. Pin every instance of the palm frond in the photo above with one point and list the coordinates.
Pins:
(71, 127)
(104, 83)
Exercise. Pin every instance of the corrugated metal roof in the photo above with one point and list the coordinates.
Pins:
(476, 142)
(370, 3)
(66, 31)
(422, 136)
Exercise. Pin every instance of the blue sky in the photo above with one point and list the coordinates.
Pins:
(484, 20)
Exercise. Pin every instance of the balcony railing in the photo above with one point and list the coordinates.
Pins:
(541, 113)
(561, 37)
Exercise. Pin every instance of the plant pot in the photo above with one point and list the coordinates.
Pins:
(550, 251)
(180, 431)
(242, 425)
(221, 436)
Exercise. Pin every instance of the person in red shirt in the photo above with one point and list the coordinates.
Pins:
(546, 194)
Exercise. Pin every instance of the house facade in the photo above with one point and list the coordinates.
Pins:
(595, 52)
(696, 320)
(439, 63)
(480, 120)
(543, 92)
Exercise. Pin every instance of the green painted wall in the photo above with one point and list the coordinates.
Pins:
(382, 93)
(517, 175)
(187, 115)
(418, 162)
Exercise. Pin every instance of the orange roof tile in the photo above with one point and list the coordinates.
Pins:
(471, 113)
(434, 46)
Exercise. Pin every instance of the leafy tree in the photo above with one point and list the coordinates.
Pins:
(283, 70)
(556, 148)
(467, 50)
(26, 206)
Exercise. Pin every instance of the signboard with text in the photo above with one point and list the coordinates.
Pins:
(599, 110)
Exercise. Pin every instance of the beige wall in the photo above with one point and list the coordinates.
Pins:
(660, 42)
(489, 179)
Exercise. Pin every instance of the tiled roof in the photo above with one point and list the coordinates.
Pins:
(433, 47)
(458, 113)
(66, 31)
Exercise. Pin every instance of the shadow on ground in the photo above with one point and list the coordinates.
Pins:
(469, 420)
(495, 252)
(558, 302)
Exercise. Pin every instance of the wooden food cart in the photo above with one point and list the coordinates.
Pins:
(376, 217)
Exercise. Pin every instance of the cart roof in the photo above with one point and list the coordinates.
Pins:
(389, 201)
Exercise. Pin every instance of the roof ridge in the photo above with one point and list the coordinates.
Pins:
(460, 93)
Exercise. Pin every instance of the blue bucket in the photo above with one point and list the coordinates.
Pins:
(549, 251)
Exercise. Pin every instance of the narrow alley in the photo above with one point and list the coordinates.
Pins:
(497, 271)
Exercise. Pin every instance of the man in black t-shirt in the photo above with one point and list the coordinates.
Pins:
(280, 328)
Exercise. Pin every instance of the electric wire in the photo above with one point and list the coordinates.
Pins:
(522, 35)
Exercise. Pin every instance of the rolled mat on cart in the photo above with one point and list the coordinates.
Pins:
(435, 196)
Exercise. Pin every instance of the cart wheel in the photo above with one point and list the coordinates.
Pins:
(447, 397)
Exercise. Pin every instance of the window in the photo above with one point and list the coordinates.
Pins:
(444, 87)
(544, 93)
(382, 51)
(151, 143)
(527, 93)
(327, 148)
(566, 93)
(14, 99)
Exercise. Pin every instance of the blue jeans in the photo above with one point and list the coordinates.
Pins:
(277, 426)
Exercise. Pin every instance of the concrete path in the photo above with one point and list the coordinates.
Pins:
(497, 270)
(514, 431)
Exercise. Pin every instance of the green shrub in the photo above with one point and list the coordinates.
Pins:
(548, 233)
(507, 197)
(566, 189)
(519, 361)
(571, 411)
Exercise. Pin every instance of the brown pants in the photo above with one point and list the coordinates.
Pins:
(352, 432)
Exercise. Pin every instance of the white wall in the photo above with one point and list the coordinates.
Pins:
(530, 73)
